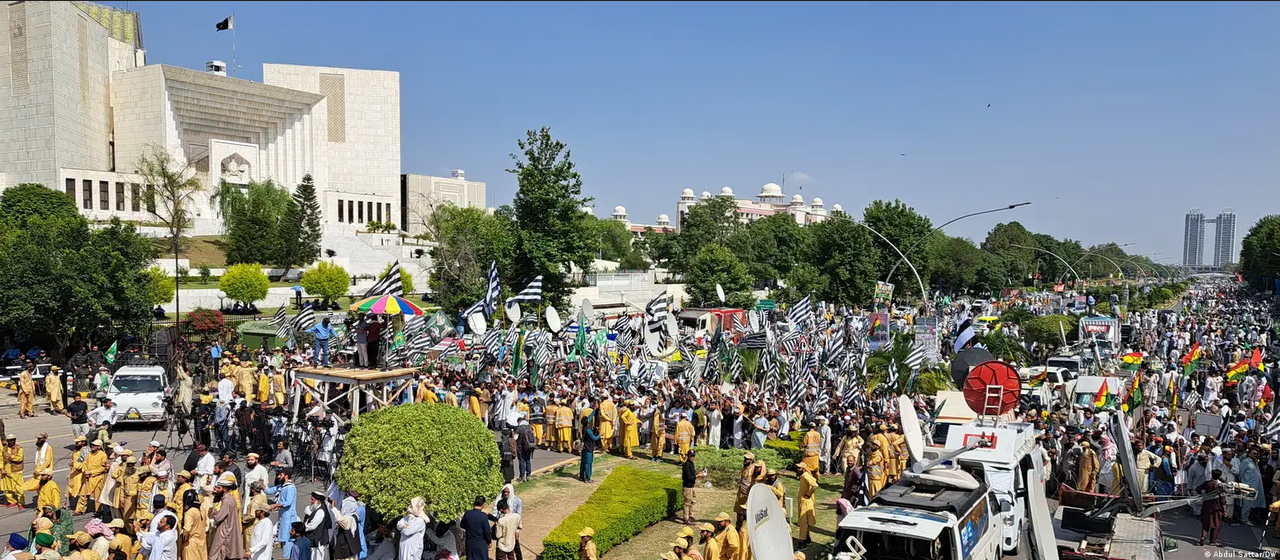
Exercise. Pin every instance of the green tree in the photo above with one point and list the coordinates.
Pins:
(633, 261)
(548, 212)
(159, 286)
(615, 238)
(244, 283)
(659, 248)
(23, 202)
(401, 452)
(1259, 253)
(95, 279)
(1004, 240)
(713, 265)
(253, 217)
(205, 273)
(1045, 330)
(902, 225)
(300, 229)
(467, 241)
(169, 193)
(953, 263)
(1004, 347)
(843, 251)
(326, 280)
(406, 279)
(803, 279)
(928, 381)
(711, 222)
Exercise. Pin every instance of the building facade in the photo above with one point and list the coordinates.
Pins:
(770, 201)
(423, 193)
(79, 107)
(1224, 239)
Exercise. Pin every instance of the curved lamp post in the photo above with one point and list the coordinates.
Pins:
(924, 295)
(1055, 255)
(939, 228)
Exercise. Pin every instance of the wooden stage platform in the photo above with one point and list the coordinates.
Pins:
(372, 384)
(357, 376)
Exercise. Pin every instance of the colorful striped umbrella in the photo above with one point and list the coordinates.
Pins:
(386, 305)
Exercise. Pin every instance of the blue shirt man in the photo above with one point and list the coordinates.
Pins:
(286, 499)
(323, 332)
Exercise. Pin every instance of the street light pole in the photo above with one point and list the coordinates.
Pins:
(924, 295)
(939, 228)
(1055, 255)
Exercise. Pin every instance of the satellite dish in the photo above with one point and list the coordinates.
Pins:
(651, 342)
(553, 319)
(911, 431)
(767, 526)
(513, 312)
(477, 324)
(992, 373)
(755, 319)
(965, 361)
(673, 329)
(587, 311)
(720, 293)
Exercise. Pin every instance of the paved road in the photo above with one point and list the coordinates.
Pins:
(60, 438)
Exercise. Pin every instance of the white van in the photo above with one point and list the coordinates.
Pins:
(139, 393)
(1006, 468)
(915, 519)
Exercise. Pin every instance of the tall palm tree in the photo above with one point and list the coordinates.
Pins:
(169, 191)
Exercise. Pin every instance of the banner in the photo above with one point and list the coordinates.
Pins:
(927, 336)
(884, 292)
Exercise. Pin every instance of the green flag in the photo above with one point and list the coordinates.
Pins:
(516, 357)
(111, 353)
(580, 345)
(397, 341)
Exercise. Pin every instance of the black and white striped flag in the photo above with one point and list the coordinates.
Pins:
(754, 341)
(964, 334)
(891, 382)
(800, 312)
(916, 358)
(304, 320)
(530, 294)
(888, 344)
(735, 365)
(656, 312)
(492, 341)
(450, 349)
(791, 342)
(492, 291)
(388, 285)
(739, 324)
(281, 323)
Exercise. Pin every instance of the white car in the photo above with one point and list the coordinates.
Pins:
(139, 393)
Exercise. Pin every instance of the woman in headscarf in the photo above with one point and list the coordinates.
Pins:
(411, 527)
(194, 528)
(63, 527)
(41, 525)
(1106, 474)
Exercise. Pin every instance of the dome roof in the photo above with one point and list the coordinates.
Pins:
(663, 219)
(686, 192)
(797, 198)
(588, 210)
(771, 189)
(837, 208)
(706, 194)
(619, 210)
(817, 201)
(726, 191)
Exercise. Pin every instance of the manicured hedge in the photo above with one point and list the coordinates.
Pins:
(626, 502)
(789, 450)
(724, 466)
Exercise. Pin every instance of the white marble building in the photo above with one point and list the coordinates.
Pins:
(423, 193)
(79, 106)
(770, 201)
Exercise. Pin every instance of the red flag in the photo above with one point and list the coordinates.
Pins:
(1255, 361)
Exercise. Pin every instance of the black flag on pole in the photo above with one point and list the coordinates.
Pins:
(229, 23)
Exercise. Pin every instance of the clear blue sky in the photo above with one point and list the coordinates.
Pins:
(1114, 119)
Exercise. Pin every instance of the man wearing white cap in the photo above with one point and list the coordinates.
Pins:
(254, 473)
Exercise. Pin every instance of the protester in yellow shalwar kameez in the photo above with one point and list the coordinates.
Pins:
(744, 542)
(425, 394)
(684, 437)
(53, 389)
(95, 474)
(47, 491)
(811, 445)
(658, 439)
(75, 478)
(581, 426)
(630, 430)
(549, 422)
(807, 514)
(473, 406)
(264, 387)
(886, 453)
(899, 454)
(13, 462)
(522, 409)
(127, 497)
(779, 491)
(608, 415)
(26, 394)
(564, 428)
(277, 388)
(875, 468)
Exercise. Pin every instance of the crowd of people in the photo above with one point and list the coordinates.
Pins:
(213, 508)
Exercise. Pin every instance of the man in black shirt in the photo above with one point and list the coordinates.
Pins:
(78, 412)
(689, 479)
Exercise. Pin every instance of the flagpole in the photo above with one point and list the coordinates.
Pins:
(233, 45)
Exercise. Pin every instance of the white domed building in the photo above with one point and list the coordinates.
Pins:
(770, 201)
